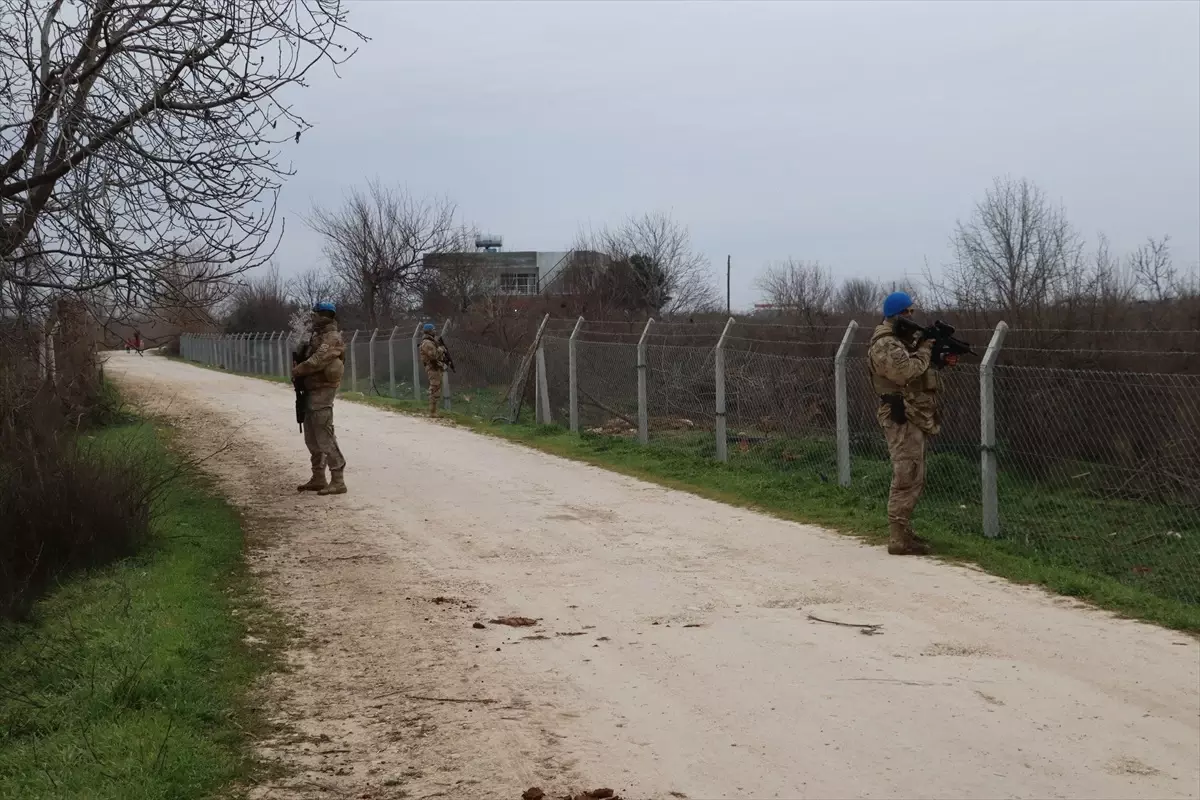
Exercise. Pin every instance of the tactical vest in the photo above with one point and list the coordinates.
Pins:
(882, 385)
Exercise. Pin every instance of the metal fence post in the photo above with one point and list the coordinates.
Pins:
(392, 364)
(445, 374)
(989, 471)
(285, 350)
(416, 363)
(353, 364)
(573, 376)
(371, 358)
(643, 367)
(722, 440)
(842, 401)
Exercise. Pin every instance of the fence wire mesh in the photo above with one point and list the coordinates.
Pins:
(1097, 471)
(781, 413)
(608, 399)
(1109, 481)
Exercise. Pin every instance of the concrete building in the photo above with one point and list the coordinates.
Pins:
(517, 272)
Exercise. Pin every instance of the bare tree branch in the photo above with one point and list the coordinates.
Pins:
(141, 141)
(1017, 253)
(377, 241)
(1153, 271)
(647, 264)
(801, 288)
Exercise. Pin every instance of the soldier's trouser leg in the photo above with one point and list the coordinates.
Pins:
(906, 446)
(316, 457)
(435, 390)
(321, 421)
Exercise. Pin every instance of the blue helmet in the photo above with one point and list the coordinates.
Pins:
(428, 326)
(896, 303)
(325, 305)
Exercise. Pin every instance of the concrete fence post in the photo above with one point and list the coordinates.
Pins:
(719, 375)
(416, 362)
(643, 367)
(842, 404)
(989, 468)
(541, 387)
(445, 374)
(353, 363)
(573, 376)
(392, 363)
(371, 358)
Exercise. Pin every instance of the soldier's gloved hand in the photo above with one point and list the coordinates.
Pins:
(926, 344)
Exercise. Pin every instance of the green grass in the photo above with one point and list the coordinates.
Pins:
(130, 681)
(1117, 554)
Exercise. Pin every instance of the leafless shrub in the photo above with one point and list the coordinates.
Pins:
(260, 304)
(1153, 271)
(803, 289)
(859, 296)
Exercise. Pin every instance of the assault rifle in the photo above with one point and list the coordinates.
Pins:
(301, 393)
(944, 341)
(448, 360)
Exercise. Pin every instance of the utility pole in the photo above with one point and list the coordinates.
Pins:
(728, 307)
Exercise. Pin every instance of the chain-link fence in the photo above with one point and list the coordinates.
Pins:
(1089, 469)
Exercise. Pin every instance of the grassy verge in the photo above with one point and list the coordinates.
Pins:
(129, 682)
(1069, 541)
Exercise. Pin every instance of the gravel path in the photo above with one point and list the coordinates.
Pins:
(674, 654)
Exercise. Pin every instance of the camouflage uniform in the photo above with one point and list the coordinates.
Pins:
(908, 413)
(324, 363)
(433, 357)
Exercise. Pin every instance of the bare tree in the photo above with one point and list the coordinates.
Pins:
(460, 283)
(1017, 253)
(315, 285)
(647, 264)
(132, 132)
(859, 296)
(800, 288)
(377, 241)
(1153, 270)
(260, 304)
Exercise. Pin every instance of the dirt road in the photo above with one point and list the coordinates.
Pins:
(674, 655)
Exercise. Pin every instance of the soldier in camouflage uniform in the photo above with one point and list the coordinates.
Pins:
(433, 359)
(908, 413)
(324, 357)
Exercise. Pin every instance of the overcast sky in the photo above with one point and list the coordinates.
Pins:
(854, 133)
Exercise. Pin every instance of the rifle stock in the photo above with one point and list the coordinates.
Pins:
(301, 394)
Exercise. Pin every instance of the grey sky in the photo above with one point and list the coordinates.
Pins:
(854, 133)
